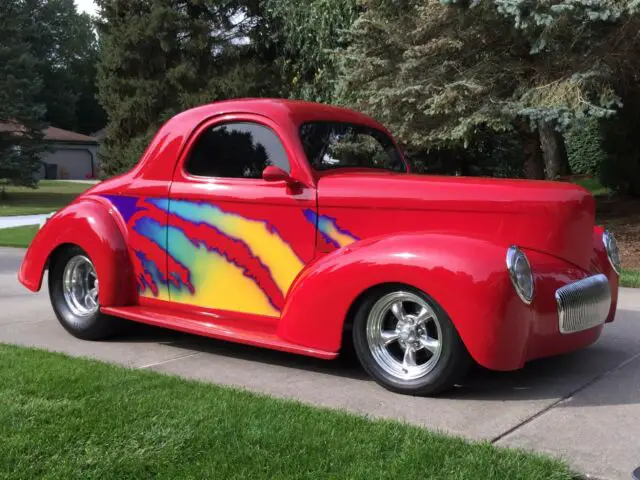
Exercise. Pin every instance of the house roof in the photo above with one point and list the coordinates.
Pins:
(55, 134)
(11, 127)
(51, 134)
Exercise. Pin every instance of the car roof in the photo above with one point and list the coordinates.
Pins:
(174, 134)
(297, 110)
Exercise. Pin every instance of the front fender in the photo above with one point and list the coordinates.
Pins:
(600, 264)
(466, 276)
(89, 224)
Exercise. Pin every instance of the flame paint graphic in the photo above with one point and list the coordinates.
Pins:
(329, 229)
(214, 258)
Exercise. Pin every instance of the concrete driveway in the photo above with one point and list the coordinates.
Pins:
(583, 407)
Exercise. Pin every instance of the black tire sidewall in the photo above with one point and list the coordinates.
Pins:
(91, 327)
(451, 365)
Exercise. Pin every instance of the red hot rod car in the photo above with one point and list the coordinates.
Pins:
(294, 226)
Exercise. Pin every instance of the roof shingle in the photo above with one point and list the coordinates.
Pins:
(59, 135)
(52, 134)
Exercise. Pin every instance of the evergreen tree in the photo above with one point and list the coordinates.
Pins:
(20, 85)
(441, 74)
(162, 56)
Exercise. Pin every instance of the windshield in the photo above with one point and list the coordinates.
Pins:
(338, 145)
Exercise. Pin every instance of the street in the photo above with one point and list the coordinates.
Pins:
(583, 407)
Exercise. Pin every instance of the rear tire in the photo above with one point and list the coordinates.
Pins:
(73, 291)
(407, 342)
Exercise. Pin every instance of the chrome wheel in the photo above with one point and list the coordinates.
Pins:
(80, 286)
(404, 335)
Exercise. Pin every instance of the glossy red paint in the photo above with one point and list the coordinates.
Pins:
(90, 224)
(249, 331)
(552, 217)
(331, 236)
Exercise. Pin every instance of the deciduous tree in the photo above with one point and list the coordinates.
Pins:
(306, 35)
(65, 44)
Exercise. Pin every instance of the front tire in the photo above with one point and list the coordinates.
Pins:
(73, 291)
(407, 342)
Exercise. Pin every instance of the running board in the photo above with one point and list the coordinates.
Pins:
(255, 333)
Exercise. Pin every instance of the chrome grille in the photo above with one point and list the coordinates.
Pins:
(583, 304)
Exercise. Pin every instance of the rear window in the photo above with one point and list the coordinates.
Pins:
(331, 145)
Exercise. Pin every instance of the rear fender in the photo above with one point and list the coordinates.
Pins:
(466, 276)
(90, 224)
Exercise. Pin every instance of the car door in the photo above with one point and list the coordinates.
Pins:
(235, 241)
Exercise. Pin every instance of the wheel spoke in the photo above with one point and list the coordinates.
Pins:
(398, 311)
(423, 316)
(404, 335)
(430, 344)
(409, 359)
(80, 286)
(388, 337)
(93, 300)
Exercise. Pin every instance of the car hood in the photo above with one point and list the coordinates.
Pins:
(551, 217)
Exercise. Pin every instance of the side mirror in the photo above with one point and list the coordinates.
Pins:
(276, 174)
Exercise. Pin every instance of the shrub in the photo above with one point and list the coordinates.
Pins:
(584, 148)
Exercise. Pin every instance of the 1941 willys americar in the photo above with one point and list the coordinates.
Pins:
(298, 226)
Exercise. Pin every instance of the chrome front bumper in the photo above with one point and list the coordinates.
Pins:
(583, 304)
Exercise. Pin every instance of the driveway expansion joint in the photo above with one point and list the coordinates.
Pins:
(564, 399)
(155, 364)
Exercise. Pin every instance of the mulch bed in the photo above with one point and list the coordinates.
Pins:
(622, 217)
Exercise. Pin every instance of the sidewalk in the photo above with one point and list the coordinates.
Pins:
(90, 182)
(583, 407)
(22, 220)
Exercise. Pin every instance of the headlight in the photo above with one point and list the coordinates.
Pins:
(611, 246)
(520, 273)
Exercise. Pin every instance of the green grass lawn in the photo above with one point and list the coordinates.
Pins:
(592, 184)
(62, 417)
(17, 236)
(630, 278)
(50, 196)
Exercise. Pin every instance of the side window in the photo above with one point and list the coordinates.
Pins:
(335, 145)
(236, 150)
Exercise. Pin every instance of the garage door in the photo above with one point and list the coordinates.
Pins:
(73, 164)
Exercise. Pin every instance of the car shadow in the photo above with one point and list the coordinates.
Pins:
(550, 378)
(346, 366)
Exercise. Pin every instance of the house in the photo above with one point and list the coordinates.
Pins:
(73, 154)
(68, 155)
